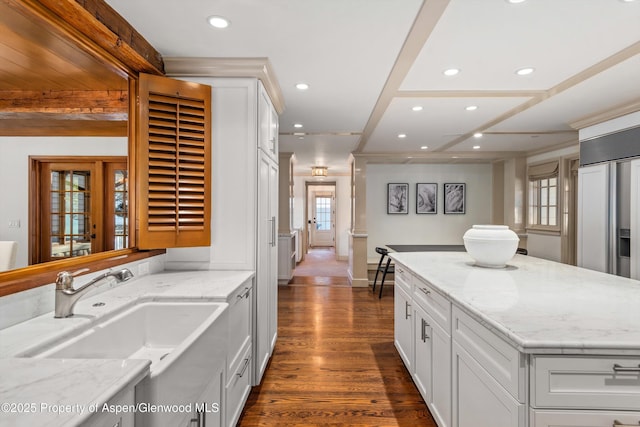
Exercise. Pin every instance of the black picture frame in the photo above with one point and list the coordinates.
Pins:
(397, 198)
(455, 198)
(426, 198)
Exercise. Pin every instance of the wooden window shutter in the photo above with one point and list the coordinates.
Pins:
(173, 163)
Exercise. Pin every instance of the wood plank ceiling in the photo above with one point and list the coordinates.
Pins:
(52, 79)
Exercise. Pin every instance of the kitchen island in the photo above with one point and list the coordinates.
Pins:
(537, 343)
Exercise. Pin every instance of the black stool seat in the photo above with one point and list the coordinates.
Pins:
(384, 267)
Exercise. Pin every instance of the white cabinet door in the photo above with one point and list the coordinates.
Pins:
(266, 285)
(593, 217)
(267, 124)
(432, 365)
(403, 327)
(635, 219)
(423, 362)
(273, 257)
(478, 399)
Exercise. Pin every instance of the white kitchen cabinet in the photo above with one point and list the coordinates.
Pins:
(478, 399)
(239, 352)
(244, 213)
(286, 256)
(403, 326)
(432, 365)
(542, 418)
(207, 411)
(125, 397)
(266, 295)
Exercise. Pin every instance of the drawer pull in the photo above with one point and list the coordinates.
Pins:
(425, 337)
(425, 290)
(244, 368)
(244, 293)
(620, 368)
(407, 313)
(617, 423)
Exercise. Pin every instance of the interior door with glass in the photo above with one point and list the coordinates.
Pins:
(69, 218)
(323, 222)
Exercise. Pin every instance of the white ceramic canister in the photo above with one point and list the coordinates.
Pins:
(491, 245)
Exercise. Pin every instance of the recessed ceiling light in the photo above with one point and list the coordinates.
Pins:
(402, 135)
(477, 135)
(297, 125)
(627, 1)
(525, 71)
(476, 147)
(302, 86)
(301, 137)
(424, 147)
(417, 108)
(218, 21)
(515, 1)
(471, 108)
(451, 72)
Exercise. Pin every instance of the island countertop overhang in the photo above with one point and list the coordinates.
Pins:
(538, 306)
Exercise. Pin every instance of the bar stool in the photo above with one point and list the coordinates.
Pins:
(386, 268)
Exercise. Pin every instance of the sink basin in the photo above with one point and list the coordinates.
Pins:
(185, 342)
(149, 330)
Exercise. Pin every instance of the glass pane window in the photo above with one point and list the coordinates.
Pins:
(543, 202)
(323, 213)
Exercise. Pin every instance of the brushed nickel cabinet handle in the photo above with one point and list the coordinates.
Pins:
(425, 290)
(407, 314)
(620, 368)
(617, 423)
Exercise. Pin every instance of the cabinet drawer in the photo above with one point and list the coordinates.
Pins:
(402, 277)
(239, 335)
(125, 397)
(502, 361)
(590, 382)
(436, 305)
(540, 418)
(238, 388)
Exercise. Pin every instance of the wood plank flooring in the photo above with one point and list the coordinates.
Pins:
(334, 363)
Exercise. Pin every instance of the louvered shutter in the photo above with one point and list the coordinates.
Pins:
(174, 163)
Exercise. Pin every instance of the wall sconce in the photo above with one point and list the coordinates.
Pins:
(319, 171)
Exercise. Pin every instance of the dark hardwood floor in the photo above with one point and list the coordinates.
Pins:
(334, 363)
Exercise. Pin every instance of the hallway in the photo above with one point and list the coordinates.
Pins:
(320, 267)
(335, 364)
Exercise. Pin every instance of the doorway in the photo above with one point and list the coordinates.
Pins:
(321, 215)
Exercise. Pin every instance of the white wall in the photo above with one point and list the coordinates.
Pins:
(14, 175)
(413, 228)
(343, 213)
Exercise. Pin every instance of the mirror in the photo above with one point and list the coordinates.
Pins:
(58, 98)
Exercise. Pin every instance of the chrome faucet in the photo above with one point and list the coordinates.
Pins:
(67, 297)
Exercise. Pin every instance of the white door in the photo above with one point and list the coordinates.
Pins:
(323, 221)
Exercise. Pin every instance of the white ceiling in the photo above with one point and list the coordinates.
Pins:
(369, 61)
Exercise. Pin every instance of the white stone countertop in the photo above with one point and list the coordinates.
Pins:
(78, 381)
(538, 306)
(61, 392)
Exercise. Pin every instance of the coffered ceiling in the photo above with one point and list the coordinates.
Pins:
(369, 62)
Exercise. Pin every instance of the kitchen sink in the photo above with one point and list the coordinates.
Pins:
(183, 340)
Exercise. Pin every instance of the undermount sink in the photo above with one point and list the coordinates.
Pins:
(183, 340)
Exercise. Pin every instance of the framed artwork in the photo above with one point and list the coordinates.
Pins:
(426, 198)
(397, 198)
(454, 198)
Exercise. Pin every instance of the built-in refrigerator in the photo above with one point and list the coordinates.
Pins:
(608, 204)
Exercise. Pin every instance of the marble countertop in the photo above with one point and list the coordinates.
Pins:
(32, 393)
(79, 381)
(538, 305)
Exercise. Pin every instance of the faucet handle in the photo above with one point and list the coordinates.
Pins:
(64, 281)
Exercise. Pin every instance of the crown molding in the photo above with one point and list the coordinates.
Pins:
(259, 68)
(607, 115)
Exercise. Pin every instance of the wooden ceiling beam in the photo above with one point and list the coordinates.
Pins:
(109, 104)
(96, 23)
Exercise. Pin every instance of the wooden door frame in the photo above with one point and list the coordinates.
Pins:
(35, 189)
